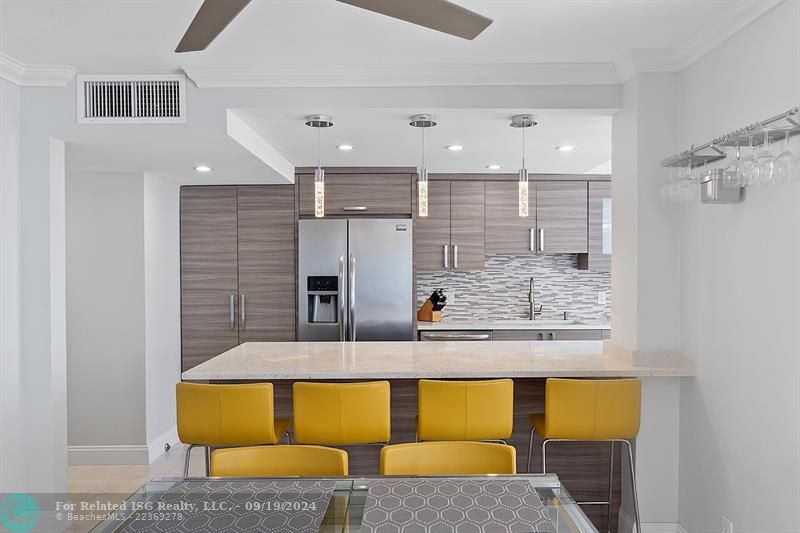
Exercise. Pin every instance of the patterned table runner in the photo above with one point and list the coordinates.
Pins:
(291, 506)
(456, 505)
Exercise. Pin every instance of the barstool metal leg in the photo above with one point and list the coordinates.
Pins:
(610, 485)
(186, 461)
(208, 460)
(544, 456)
(633, 483)
(530, 453)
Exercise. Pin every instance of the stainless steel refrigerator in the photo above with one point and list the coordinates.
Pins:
(355, 280)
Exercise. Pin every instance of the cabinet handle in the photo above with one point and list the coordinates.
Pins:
(541, 336)
(342, 300)
(446, 256)
(232, 304)
(351, 320)
(355, 208)
(533, 241)
(552, 335)
(242, 313)
(541, 239)
(455, 256)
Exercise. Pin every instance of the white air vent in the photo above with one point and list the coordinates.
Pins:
(158, 99)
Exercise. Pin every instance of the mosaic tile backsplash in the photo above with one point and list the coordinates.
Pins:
(500, 292)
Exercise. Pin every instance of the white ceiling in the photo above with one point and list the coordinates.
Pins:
(383, 137)
(140, 35)
(173, 159)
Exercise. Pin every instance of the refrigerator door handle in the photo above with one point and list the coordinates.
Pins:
(342, 302)
(352, 288)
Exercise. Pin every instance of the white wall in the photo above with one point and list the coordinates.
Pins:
(162, 309)
(105, 309)
(10, 399)
(123, 319)
(740, 264)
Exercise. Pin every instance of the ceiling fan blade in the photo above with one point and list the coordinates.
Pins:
(212, 17)
(439, 15)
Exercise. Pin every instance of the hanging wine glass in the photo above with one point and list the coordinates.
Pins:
(748, 164)
(732, 176)
(765, 163)
(787, 165)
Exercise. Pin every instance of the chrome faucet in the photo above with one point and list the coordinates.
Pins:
(532, 312)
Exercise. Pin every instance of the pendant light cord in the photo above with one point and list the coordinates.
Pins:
(423, 148)
(523, 147)
(319, 148)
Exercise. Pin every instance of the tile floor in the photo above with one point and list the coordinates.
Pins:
(116, 482)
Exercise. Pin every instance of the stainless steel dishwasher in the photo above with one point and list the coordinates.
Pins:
(453, 335)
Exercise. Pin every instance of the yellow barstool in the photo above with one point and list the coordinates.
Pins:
(448, 458)
(214, 416)
(263, 461)
(342, 414)
(465, 410)
(606, 410)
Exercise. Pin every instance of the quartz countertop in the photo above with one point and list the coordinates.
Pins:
(414, 360)
(468, 325)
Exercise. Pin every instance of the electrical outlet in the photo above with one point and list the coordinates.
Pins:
(727, 525)
(601, 297)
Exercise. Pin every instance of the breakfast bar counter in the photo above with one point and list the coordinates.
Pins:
(415, 360)
(583, 466)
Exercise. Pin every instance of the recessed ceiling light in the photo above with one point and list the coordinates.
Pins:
(203, 168)
(565, 148)
(455, 147)
(493, 167)
(345, 147)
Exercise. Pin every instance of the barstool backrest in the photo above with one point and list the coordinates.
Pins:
(592, 409)
(267, 461)
(226, 415)
(342, 414)
(447, 458)
(465, 410)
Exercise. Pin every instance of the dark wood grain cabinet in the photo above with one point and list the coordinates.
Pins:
(467, 225)
(209, 272)
(451, 237)
(599, 255)
(557, 222)
(562, 217)
(266, 222)
(237, 268)
(506, 231)
(432, 233)
(359, 194)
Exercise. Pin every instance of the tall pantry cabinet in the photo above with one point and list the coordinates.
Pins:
(237, 268)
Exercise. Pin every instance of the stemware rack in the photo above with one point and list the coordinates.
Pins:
(774, 129)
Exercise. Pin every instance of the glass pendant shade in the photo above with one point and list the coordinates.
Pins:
(422, 192)
(319, 192)
(523, 192)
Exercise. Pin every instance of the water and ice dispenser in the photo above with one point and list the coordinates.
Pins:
(323, 299)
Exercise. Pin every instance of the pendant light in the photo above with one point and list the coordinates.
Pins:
(319, 122)
(422, 121)
(524, 122)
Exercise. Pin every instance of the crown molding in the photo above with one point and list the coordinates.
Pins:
(719, 30)
(484, 74)
(34, 75)
(642, 60)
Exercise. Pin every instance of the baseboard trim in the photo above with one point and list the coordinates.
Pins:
(155, 448)
(117, 454)
(626, 525)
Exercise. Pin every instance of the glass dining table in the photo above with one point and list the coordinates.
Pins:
(487, 504)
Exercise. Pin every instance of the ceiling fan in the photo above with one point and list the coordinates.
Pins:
(440, 15)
